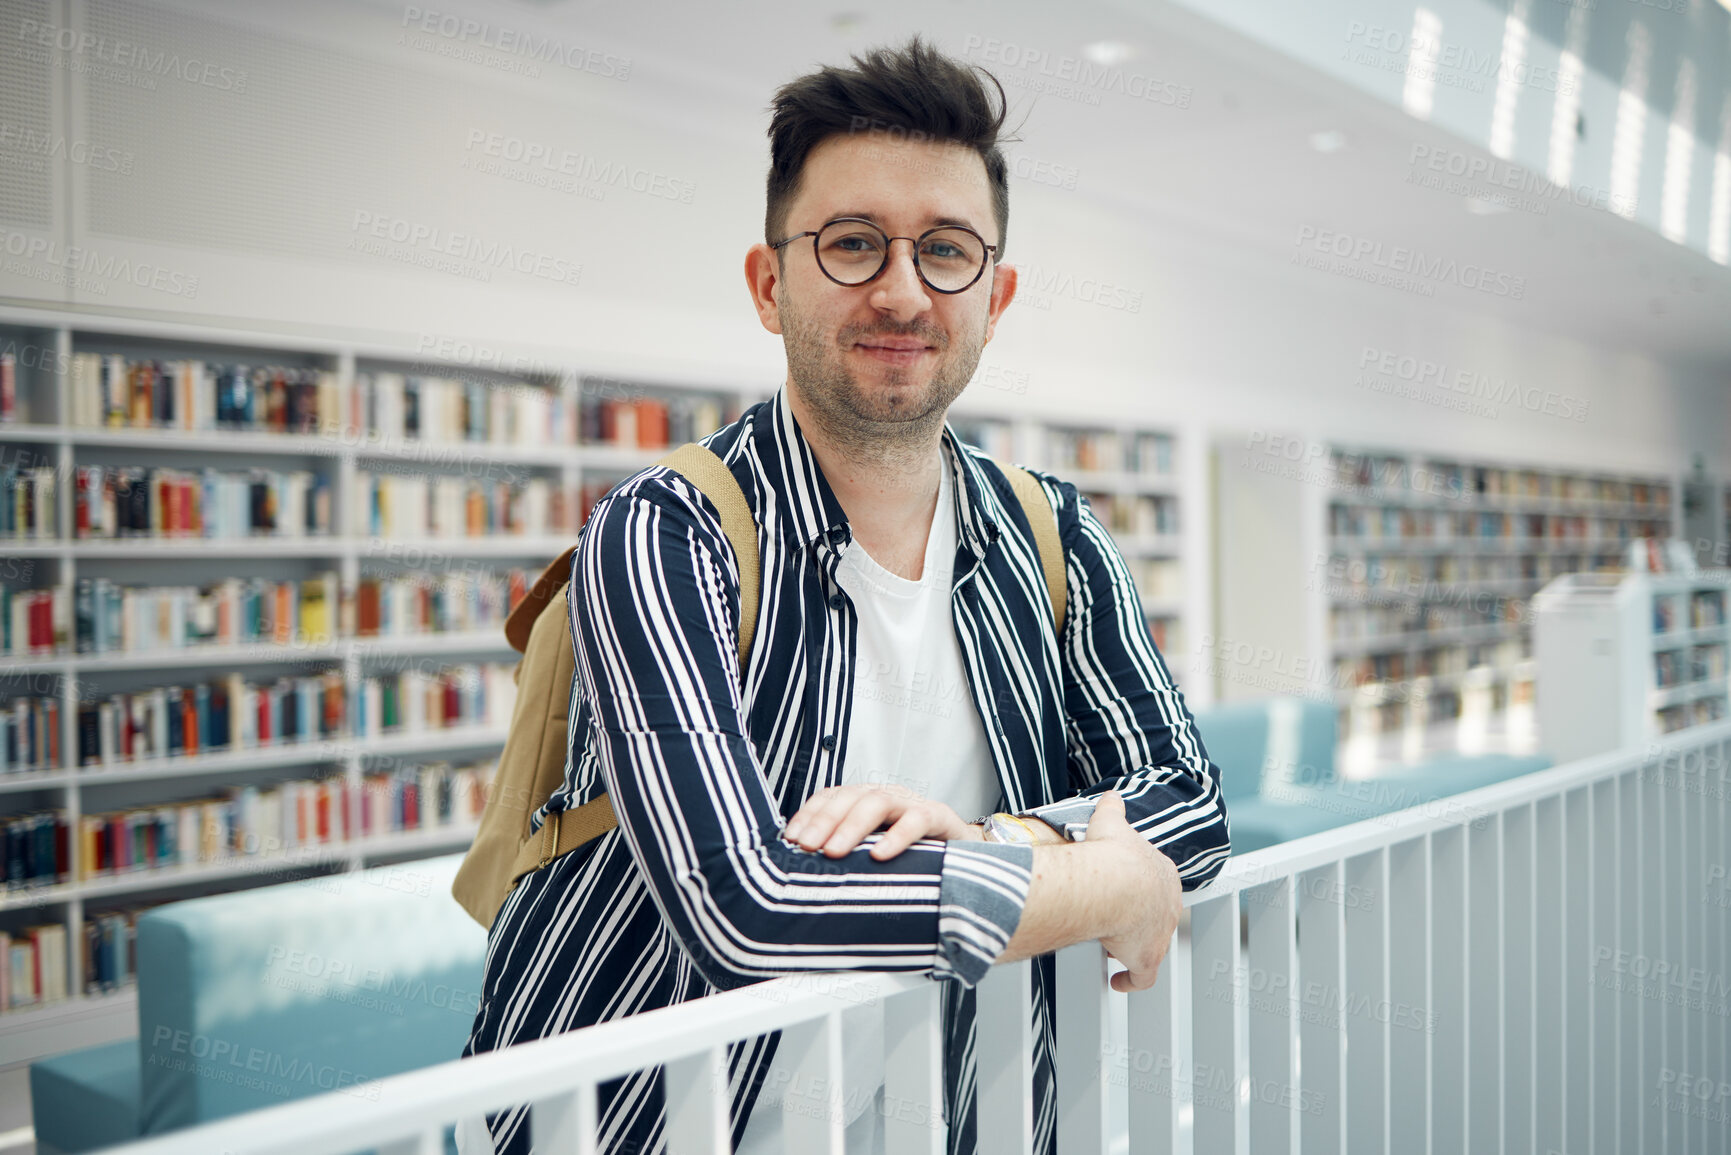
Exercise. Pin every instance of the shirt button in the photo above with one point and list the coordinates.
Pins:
(828, 742)
(837, 600)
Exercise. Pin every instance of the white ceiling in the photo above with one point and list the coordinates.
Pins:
(1235, 172)
(1230, 181)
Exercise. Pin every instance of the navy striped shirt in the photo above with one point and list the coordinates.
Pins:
(696, 890)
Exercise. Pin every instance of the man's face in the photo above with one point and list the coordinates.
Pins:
(892, 350)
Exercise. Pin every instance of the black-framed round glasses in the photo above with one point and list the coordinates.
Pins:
(852, 251)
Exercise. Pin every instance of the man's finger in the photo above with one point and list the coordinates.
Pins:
(905, 831)
(1126, 981)
(1108, 812)
(814, 822)
(869, 812)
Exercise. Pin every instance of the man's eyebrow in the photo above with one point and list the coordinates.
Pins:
(936, 222)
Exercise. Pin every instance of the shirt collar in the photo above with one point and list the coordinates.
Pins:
(809, 506)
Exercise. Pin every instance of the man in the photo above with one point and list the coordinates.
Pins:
(905, 675)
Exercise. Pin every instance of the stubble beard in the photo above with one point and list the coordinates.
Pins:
(875, 421)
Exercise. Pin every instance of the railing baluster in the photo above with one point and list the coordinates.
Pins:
(1719, 819)
(565, 1122)
(1448, 904)
(1646, 945)
(1606, 871)
(914, 1073)
(1672, 988)
(1366, 1005)
(1004, 1042)
(1715, 896)
(1272, 1019)
(1548, 1040)
(1484, 986)
(1631, 896)
(1698, 1014)
(813, 1116)
(1322, 1036)
(1082, 1033)
(1152, 1063)
(1519, 869)
(1409, 994)
(1577, 972)
(1218, 986)
(697, 1104)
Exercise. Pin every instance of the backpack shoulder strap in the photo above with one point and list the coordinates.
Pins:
(701, 466)
(1045, 526)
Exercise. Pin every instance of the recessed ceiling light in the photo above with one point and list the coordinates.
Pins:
(1106, 53)
(1485, 206)
(1325, 142)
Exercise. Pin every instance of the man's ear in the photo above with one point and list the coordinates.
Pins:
(1003, 292)
(763, 281)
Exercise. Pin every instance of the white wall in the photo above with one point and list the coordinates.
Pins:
(255, 190)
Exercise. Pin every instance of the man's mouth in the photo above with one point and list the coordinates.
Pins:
(893, 350)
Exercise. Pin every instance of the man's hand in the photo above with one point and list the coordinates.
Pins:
(838, 817)
(1114, 887)
(1153, 897)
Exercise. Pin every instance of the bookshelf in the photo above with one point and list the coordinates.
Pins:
(247, 574)
(1407, 581)
(1626, 659)
(292, 520)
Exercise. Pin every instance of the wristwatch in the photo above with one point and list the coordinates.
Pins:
(1003, 827)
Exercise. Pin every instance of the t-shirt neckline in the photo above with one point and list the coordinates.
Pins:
(943, 517)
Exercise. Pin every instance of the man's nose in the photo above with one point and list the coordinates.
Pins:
(898, 287)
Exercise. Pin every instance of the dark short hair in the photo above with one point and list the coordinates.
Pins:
(915, 93)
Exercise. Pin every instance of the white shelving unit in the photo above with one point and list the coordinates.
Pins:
(1624, 660)
(1403, 583)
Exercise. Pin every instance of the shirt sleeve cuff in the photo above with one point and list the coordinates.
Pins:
(1069, 816)
(980, 899)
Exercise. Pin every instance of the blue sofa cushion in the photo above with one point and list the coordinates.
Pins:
(1288, 812)
(1267, 742)
(253, 998)
(1236, 738)
(1258, 823)
(86, 1099)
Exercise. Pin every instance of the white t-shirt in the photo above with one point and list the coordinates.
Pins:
(913, 724)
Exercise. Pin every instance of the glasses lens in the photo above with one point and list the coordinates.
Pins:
(951, 258)
(851, 251)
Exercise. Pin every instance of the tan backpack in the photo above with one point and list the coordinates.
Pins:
(532, 763)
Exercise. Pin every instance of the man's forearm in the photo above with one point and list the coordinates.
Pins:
(1077, 895)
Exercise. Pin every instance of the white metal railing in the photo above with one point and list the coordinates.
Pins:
(1537, 966)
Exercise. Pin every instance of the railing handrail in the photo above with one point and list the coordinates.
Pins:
(564, 1069)
(1243, 871)
(527, 1071)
